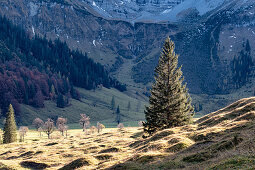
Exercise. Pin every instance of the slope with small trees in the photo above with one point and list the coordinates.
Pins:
(33, 69)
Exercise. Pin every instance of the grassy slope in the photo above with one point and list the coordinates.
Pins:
(96, 104)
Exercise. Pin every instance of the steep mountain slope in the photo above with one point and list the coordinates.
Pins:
(152, 11)
(208, 34)
(34, 70)
(131, 10)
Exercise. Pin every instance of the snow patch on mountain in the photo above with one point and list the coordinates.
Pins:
(202, 6)
(153, 11)
(33, 9)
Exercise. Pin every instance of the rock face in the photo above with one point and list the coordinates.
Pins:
(131, 10)
(206, 43)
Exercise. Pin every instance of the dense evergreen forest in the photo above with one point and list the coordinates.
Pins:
(33, 69)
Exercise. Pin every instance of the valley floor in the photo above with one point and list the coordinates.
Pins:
(99, 150)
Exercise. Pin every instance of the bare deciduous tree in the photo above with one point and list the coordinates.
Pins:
(38, 124)
(93, 129)
(120, 126)
(40, 130)
(61, 125)
(23, 132)
(140, 123)
(49, 127)
(84, 122)
(100, 127)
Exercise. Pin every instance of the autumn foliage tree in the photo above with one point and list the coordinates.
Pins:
(100, 127)
(61, 125)
(49, 127)
(84, 122)
(38, 123)
(23, 132)
(93, 129)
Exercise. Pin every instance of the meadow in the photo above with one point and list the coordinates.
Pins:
(220, 140)
(99, 150)
(96, 104)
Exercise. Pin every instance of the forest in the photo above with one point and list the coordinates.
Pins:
(34, 69)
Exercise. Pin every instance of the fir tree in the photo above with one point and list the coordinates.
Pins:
(10, 128)
(169, 103)
(113, 103)
(118, 115)
(60, 101)
(129, 106)
(52, 92)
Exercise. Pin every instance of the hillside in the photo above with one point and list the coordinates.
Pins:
(221, 140)
(210, 36)
(96, 104)
(35, 70)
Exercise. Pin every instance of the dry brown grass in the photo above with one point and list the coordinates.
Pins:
(221, 135)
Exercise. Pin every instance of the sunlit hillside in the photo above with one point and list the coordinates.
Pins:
(96, 104)
(220, 140)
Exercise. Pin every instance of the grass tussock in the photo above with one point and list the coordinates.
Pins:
(109, 150)
(239, 162)
(177, 147)
(51, 144)
(103, 157)
(76, 164)
(33, 165)
(160, 135)
(4, 167)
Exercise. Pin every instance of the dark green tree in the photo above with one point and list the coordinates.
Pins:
(129, 106)
(247, 46)
(113, 103)
(10, 128)
(52, 92)
(118, 115)
(60, 101)
(170, 102)
(242, 66)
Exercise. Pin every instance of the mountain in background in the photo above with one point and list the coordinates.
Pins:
(151, 10)
(215, 40)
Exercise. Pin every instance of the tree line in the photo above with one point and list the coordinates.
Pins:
(242, 65)
(48, 127)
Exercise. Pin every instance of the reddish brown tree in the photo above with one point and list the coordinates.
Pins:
(61, 125)
(48, 127)
(38, 100)
(84, 122)
(38, 124)
(23, 132)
